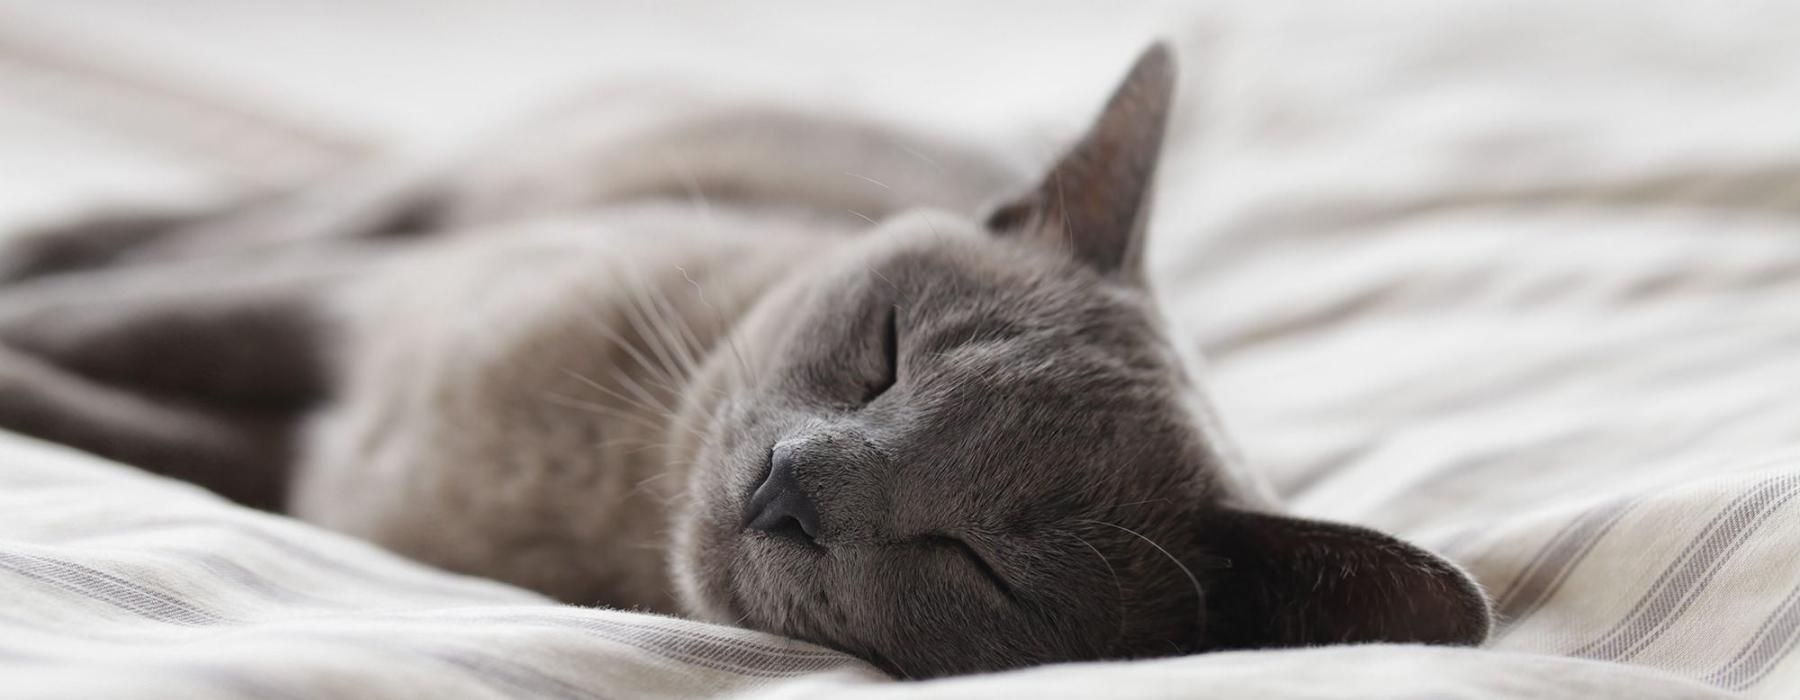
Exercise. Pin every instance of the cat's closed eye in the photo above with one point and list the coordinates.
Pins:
(975, 560)
(889, 374)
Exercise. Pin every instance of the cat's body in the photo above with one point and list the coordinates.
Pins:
(508, 399)
(674, 369)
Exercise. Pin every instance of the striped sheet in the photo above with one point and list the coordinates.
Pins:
(117, 583)
(1518, 280)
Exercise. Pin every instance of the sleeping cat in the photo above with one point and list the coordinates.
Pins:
(751, 366)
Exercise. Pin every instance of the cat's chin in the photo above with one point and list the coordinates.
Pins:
(726, 575)
(707, 564)
(702, 581)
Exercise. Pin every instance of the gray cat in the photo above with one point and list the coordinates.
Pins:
(676, 367)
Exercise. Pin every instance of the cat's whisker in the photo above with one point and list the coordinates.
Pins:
(651, 403)
(619, 340)
(904, 674)
(671, 327)
(1062, 210)
(681, 333)
(669, 500)
(882, 277)
(666, 380)
(1199, 595)
(927, 159)
(860, 215)
(638, 314)
(626, 446)
(696, 196)
(599, 409)
(585, 405)
(869, 180)
(643, 447)
(728, 332)
(644, 483)
(645, 419)
(648, 407)
(632, 444)
(1120, 597)
(661, 370)
(651, 381)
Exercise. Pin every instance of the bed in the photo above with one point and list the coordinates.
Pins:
(1519, 281)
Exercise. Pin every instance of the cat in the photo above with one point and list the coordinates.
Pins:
(758, 368)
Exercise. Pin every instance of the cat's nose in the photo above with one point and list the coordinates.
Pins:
(778, 506)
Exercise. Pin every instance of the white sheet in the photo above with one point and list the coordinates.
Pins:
(1518, 280)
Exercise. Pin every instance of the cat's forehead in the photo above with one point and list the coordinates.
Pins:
(962, 274)
(1044, 385)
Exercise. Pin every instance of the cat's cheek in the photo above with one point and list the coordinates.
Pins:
(697, 590)
(776, 586)
(707, 551)
(703, 548)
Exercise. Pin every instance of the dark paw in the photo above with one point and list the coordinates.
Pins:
(83, 244)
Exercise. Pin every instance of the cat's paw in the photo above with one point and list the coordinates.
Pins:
(79, 244)
(28, 256)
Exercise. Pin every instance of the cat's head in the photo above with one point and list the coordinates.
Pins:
(970, 446)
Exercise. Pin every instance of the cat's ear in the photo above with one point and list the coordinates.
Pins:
(1295, 582)
(1095, 201)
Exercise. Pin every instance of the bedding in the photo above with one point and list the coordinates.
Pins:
(1519, 281)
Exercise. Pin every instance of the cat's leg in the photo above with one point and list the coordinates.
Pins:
(93, 241)
(196, 371)
(245, 336)
(383, 200)
(242, 456)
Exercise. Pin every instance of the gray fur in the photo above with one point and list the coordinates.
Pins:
(568, 371)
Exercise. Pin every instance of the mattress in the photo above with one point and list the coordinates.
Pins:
(1519, 281)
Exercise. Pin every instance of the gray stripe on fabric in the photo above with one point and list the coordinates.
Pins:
(715, 651)
(689, 647)
(1771, 643)
(522, 680)
(247, 580)
(1547, 572)
(509, 677)
(1691, 572)
(421, 581)
(572, 617)
(699, 649)
(244, 684)
(101, 586)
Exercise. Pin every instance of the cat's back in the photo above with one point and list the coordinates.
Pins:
(712, 149)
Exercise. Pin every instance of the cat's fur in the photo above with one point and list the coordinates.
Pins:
(574, 373)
